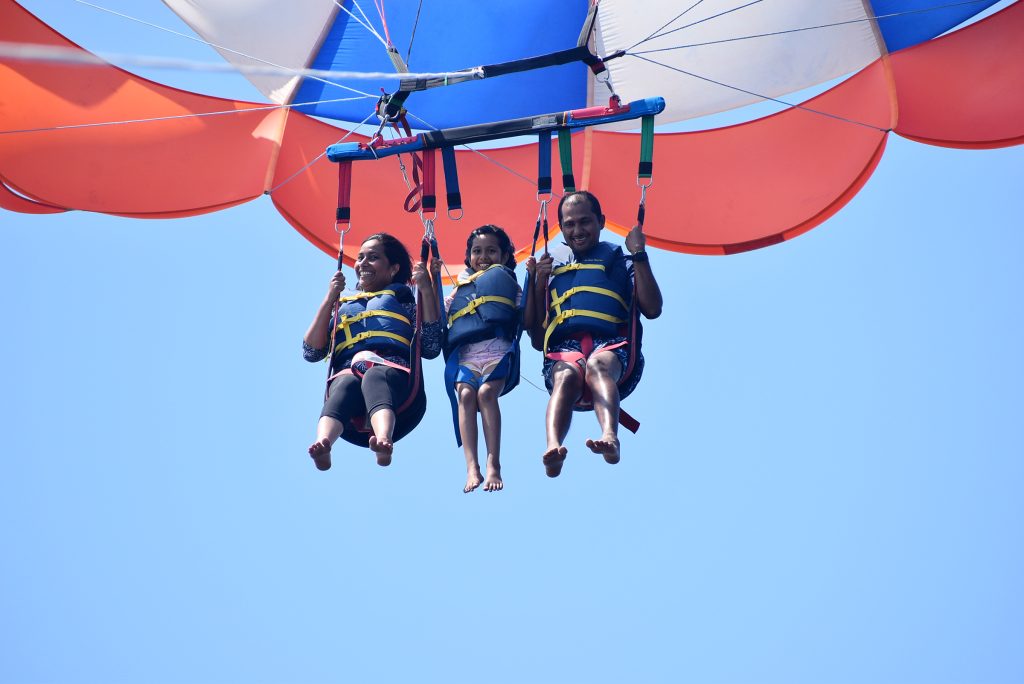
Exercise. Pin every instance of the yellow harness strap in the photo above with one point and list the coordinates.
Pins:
(368, 334)
(557, 300)
(471, 307)
(569, 313)
(346, 322)
(460, 281)
(575, 267)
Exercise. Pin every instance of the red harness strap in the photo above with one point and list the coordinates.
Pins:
(578, 361)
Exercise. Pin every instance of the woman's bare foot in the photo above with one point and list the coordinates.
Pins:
(553, 460)
(473, 480)
(493, 482)
(382, 448)
(321, 454)
(607, 446)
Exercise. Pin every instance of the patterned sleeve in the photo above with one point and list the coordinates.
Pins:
(313, 355)
(430, 334)
(431, 339)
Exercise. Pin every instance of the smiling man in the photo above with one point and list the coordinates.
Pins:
(581, 317)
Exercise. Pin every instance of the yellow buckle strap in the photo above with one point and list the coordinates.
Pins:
(346, 321)
(365, 295)
(471, 307)
(557, 300)
(576, 267)
(459, 282)
(569, 313)
(368, 334)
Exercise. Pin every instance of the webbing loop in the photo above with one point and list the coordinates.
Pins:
(473, 304)
(343, 215)
(645, 170)
(429, 197)
(565, 157)
(451, 182)
(543, 164)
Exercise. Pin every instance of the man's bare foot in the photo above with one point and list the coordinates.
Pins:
(473, 480)
(607, 446)
(553, 460)
(493, 482)
(321, 454)
(382, 448)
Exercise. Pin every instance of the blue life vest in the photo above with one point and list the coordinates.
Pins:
(374, 320)
(484, 307)
(590, 295)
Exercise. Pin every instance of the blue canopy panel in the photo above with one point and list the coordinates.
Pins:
(477, 34)
(913, 26)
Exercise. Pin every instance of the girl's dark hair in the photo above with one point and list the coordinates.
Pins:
(595, 205)
(396, 253)
(504, 243)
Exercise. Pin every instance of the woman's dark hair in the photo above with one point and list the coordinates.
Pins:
(504, 243)
(595, 205)
(396, 253)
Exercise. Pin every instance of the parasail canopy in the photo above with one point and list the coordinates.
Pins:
(716, 191)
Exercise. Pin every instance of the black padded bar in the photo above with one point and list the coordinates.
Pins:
(463, 135)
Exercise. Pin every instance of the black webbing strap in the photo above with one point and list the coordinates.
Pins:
(451, 180)
(543, 163)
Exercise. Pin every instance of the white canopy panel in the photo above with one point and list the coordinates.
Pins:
(261, 32)
(714, 40)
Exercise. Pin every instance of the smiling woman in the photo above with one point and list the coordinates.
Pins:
(374, 340)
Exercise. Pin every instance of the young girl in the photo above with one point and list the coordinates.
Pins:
(482, 348)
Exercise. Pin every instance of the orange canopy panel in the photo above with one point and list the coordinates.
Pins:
(169, 167)
(747, 186)
(498, 186)
(965, 89)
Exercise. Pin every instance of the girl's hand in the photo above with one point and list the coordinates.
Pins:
(336, 286)
(635, 240)
(531, 265)
(435, 267)
(420, 276)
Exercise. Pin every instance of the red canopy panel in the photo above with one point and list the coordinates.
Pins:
(166, 168)
(965, 89)
(14, 202)
(755, 184)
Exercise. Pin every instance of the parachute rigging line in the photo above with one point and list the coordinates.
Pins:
(379, 4)
(415, 23)
(260, 108)
(797, 30)
(47, 53)
(667, 24)
(316, 158)
(766, 97)
(236, 67)
(365, 24)
(701, 21)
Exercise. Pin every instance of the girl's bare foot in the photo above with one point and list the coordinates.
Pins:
(553, 460)
(607, 446)
(473, 480)
(320, 452)
(493, 482)
(382, 448)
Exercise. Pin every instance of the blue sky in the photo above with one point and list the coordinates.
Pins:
(825, 486)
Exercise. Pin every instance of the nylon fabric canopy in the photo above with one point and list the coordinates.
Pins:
(716, 191)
